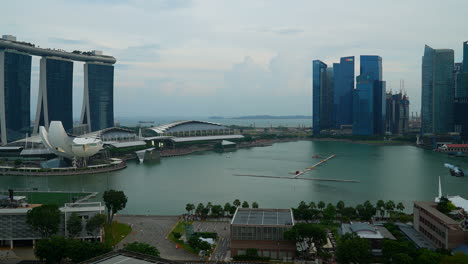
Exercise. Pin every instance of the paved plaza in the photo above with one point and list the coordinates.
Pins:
(222, 252)
(153, 230)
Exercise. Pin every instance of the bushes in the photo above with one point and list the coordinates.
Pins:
(143, 248)
(212, 235)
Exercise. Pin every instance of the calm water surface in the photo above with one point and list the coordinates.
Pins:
(400, 173)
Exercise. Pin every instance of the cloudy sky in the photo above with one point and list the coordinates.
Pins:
(230, 58)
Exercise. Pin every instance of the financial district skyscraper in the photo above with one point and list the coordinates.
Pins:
(332, 94)
(55, 98)
(438, 93)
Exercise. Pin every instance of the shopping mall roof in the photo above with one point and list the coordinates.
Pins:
(186, 125)
(206, 138)
(256, 216)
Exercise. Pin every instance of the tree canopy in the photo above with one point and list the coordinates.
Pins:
(353, 249)
(143, 248)
(115, 201)
(74, 225)
(45, 219)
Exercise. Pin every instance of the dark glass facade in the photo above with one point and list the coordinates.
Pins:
(17, 92)
(100, 95)
(438, 91)
(59, 83)
(317, 68)
(397, 114)
(369, 98)
(461, 117)
(326, 96)
(465, 56)
(343, 85)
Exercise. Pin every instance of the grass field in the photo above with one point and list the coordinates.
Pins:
(58, 198)
(114, 233)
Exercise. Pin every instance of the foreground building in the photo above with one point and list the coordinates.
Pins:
(14, 231)
(438, 93)
(373, 233)
(263, 230)
(440, 229)
(15, 93)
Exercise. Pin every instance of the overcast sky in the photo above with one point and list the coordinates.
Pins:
(230, 58)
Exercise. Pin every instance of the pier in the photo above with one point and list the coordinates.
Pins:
(315, 165)
(293, 178)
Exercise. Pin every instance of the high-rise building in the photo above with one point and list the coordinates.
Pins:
(317, 68)
(326, 104)
(55, 100)
(465, 56)
(343, 86)
(397, 113)
(437, 91)
(15, 91)
(98, 99)
(369, 98)
(461, 94)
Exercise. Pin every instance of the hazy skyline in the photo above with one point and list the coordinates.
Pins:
(201, 58)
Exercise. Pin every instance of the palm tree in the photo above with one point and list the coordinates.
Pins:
(321, 205)
(340, 205)
(381, 208)
(389, 206)
(254, 205)
(236, 203)
(400, 207)
(245, 204)
(312, 205)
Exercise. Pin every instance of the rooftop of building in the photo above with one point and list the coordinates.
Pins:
(261, 216)
(366, 230)
(186, 125)
(10, 42)
(127, 257)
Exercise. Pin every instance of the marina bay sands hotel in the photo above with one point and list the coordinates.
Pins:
(55, 98)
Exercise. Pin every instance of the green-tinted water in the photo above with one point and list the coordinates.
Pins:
(400, 173)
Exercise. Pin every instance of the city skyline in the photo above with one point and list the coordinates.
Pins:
(207, 61)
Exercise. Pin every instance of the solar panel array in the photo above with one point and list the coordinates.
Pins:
(263, 217)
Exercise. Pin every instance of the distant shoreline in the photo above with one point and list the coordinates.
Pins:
(366, 142)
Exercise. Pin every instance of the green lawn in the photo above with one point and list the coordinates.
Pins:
(180, 228)
(114, 233)
(58, 198)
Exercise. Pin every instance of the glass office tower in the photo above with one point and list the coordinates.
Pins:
(317, 68)
(15, 92)
(369, 98)
(437, 99)
(98, 99)
(343, 86)
(55, 101)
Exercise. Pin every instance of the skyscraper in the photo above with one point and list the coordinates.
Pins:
(55, 100)
(369, 98)
(98, 99)
(343, 76)
(317, 68)
(15, 91)
(326, 103)
(437, 91)
(461, 94)
(397, 114)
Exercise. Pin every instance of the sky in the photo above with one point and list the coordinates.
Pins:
(233, 58)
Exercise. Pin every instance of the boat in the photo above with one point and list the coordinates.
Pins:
(455, 170)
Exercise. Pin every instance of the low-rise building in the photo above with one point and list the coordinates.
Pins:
(14, 230)
(374, 233)
(439, 228)
(262, 229)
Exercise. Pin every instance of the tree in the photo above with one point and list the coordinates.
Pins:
(254, 205)
(307, 233)
(74, 225)
(199, 209)
(368, 211)
(402, 258)
(217, 210)
(353, 249)
(348, 213)
(340, 206)
(115, 201)
(445, 205)
(95, 223)
(189, 207)
(457, 258)
(312, 205)
(45, 219)
(381, 208)
(51, 250)
(143, 248)
(428, 257)
(329, 213)
(78, 251)
(236, 203)
(209, 205)
(321, 205)
(389, 206)
(400, 207)
(245, 204)
(227, 208)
